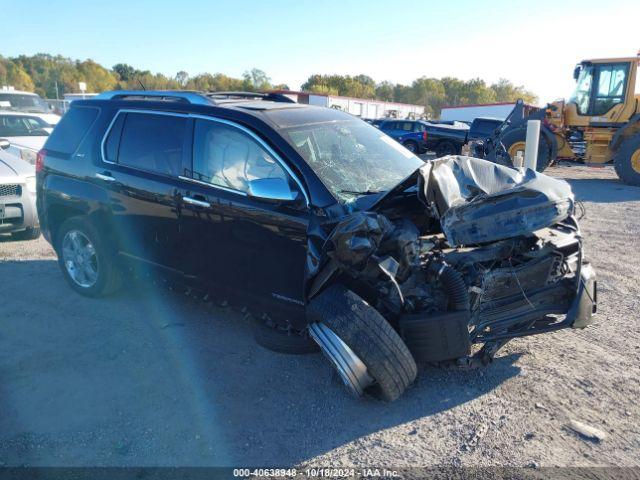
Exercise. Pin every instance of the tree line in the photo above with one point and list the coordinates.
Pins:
(52, 76)
(433, 93)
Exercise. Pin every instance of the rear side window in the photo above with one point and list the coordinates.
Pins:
(152, 142)
(71, 129)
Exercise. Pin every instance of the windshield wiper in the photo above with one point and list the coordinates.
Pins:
(366, 192)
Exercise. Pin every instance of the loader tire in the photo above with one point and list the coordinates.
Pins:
(340, 316)
(546, 151)
(627, 161)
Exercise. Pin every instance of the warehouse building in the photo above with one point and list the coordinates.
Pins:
(360, 107)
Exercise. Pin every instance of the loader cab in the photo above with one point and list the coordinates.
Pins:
(604, 92)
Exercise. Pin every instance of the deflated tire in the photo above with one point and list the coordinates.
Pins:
(363, 347)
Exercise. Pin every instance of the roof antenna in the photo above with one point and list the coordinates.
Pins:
(140, 82)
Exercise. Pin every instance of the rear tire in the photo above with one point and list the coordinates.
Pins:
(627, 161)
(446, 148)
(107, 278)
(28, 234)
(390, 367)
(282, 341)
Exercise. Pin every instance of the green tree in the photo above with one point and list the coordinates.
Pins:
(97, 78)
(182, 77)
(256, 80)
(384, 91)
(125, 72)
(12, 74)
(506, 91)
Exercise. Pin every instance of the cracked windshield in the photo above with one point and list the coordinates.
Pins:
(353, 158)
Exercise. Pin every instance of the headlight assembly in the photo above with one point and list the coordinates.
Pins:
(28, 156)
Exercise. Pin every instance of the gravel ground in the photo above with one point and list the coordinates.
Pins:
(154, 377)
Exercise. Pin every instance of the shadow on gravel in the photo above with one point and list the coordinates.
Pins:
(155, 377)
(600, 190)
(280, 409)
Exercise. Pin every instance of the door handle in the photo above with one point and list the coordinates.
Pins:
(196, 202)
(106, 176)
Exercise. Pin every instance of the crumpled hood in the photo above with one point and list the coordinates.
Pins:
(479, 201)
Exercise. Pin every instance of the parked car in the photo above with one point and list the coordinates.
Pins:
(419, 136)
(410, 133)
(26, 133)
(17, 196)
(318, 224)
(27, 102)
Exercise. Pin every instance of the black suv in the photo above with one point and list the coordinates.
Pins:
(319, 223)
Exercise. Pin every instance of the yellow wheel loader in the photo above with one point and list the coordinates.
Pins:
(598, 124)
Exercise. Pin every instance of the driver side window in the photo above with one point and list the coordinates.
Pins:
(226, 156)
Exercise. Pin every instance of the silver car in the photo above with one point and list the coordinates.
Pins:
(18, 214)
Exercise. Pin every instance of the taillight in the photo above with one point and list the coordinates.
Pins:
(424, 135)
(40, 160)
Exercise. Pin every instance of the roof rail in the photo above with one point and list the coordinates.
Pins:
(192, 97)
(273, 97)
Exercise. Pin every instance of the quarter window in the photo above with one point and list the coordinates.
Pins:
(71, 129)
(152, 142)
(228, 157)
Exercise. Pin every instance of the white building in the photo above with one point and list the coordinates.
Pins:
(360, 107)
(467, 113)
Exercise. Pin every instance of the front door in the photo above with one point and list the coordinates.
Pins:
(251, 250)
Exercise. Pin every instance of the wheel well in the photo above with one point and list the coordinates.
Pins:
(56, 215)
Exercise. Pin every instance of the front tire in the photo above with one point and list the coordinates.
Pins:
(363, 347)
(86, 263)
(514, 140)
(411, 146)
(627, 161)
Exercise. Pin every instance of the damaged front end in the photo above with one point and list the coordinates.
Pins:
(464, 252)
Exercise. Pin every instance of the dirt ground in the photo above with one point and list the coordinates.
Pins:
(153, 377)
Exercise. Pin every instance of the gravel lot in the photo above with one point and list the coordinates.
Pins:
(153, 377)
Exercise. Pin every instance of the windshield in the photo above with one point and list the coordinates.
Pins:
(23, 103)
(581, 94)
(352, 158)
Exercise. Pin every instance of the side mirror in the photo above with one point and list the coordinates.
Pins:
(4, 143)
(272, 190)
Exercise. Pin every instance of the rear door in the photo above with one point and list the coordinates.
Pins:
(249, 249)
(142, 159)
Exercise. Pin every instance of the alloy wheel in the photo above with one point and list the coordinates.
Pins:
(80, 258)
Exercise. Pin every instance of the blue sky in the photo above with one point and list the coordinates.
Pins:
(531, 43)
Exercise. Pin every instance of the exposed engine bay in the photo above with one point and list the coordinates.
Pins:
(464, 252)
